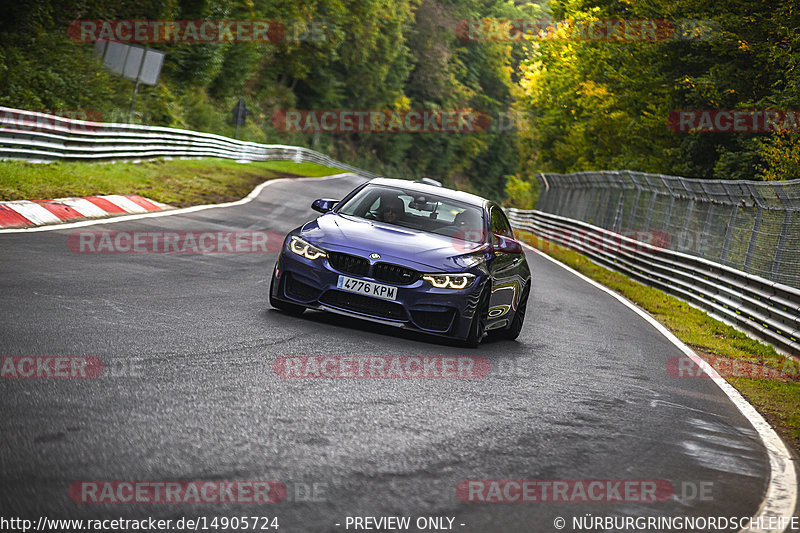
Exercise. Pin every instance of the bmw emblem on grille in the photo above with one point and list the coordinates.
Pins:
(374, 256)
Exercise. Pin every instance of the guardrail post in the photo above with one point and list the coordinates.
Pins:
(610, 203)
(702, 245)
(668, 215)
(552, 204)
(543, 188)
(635, 208)
(650, 207)
(685, 229)
(786, 202)
(753, 236)
(546, 193)
(598, 207)
(776, 259)
(616, 224)
(583, 185)
(563, 198)
(729, 234)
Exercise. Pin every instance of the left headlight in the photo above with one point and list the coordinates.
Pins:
(450, 281)
(306, 249)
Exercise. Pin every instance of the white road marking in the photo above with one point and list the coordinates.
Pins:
(781, 498)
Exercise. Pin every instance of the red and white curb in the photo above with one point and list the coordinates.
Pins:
(25, 213)
(168, 210)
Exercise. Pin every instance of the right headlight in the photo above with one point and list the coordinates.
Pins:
(306, 249)
(450, 281)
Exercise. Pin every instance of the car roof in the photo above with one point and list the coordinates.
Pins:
(461, 196)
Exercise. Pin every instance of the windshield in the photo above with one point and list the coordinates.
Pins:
(416, 210)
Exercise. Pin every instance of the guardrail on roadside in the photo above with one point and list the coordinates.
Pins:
(39, 137)
(768, 310)
(752, 226)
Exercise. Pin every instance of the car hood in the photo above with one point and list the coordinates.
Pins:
(416, 249)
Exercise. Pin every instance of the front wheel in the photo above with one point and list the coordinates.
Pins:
(513, 330)
(478, 325)
(286, 307)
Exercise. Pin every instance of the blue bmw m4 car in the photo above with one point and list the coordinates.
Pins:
(411, 255)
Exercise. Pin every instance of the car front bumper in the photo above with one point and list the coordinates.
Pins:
(418, 306)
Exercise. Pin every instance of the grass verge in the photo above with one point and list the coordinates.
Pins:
(776, 398)
(179, 182)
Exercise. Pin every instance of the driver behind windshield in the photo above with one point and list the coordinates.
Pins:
(391, 209)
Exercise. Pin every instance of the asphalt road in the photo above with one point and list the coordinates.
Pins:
(188, 393)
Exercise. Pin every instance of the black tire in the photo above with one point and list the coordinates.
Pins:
(286, 307)
(513, 330)
(478, 325)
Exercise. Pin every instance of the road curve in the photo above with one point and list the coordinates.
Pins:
(189, 393)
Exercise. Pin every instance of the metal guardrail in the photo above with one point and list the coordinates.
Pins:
(768, 310)
(39, 137)
(752, 226)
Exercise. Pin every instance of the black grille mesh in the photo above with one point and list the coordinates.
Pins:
(394, 274)
(299, 290)
(433, 320)
(349, 264)
(364, 304)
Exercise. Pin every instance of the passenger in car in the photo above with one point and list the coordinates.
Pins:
(470, 226)
(391, 209)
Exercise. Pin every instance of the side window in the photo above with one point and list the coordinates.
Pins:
(500, 225)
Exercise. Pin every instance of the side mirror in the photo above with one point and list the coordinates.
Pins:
(323, 205)
(506, 245)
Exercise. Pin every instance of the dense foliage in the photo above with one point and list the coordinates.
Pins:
(586, 105)
(361, 55)
(605, 105)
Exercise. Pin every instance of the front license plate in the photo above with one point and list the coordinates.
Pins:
(387, 292)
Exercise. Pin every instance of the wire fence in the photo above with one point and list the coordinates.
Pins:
(747, 225)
